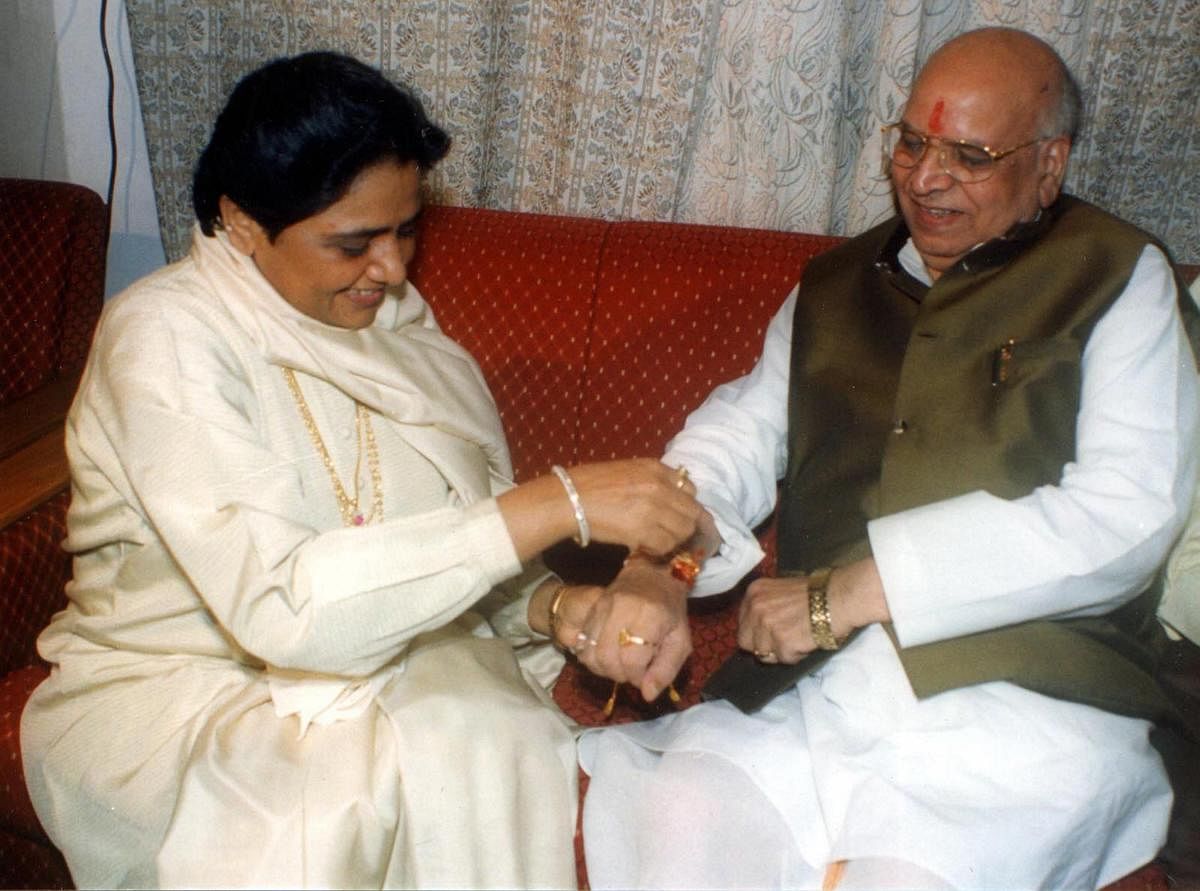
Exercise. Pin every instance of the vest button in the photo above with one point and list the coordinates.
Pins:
(899, 426)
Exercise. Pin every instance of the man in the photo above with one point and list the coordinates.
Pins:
(983, 415)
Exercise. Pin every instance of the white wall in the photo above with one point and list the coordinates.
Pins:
(53, 102)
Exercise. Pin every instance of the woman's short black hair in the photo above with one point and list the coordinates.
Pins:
(297, 131)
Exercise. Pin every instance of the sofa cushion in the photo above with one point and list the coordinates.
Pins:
(25, 863)
(17, 815)
(34, 569)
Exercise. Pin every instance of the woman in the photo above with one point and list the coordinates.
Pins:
(306, 640)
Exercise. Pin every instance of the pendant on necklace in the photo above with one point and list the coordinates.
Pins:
(358, 519)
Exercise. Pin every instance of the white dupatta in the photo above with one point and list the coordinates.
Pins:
(403, 367)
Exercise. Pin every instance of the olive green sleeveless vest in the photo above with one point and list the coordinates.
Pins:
(903, 394)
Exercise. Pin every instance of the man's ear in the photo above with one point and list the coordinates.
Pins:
(245, 234)
(1052, 161)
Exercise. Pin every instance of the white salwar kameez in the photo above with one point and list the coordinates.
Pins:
(247, 693)
(991, 786)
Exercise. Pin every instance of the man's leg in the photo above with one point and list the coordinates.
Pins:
(684, 820)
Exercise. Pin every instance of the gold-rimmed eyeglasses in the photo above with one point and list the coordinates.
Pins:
(964, 161)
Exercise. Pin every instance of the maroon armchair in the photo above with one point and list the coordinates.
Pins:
(53, 239)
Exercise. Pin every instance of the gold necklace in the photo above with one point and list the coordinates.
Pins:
(351, 515)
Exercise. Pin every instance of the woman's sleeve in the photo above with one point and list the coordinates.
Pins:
(170, 419)
(1094, 540)
(734, 447)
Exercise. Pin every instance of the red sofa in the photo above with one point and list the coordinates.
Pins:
(597, 339)
(53, 239)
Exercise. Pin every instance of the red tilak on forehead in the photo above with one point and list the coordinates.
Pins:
(935, 117)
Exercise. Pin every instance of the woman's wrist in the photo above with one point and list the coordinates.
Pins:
(538, 611)
(537, 513)
(583, 536)
(554, 616)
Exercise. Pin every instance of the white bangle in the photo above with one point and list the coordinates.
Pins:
(585, 533)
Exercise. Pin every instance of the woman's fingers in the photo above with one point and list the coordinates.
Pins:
(669, 656)
(637, 630)
(639, 503)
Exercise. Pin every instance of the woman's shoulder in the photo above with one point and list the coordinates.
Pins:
(170, 325)
(174, 304)
(174, 293)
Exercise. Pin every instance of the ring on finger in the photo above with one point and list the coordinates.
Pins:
(767, 656)
(625, 639)
(681, 477)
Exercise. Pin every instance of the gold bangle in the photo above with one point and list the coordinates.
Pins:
(819, 621)
(556, 600)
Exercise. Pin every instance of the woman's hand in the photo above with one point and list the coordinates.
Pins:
(637, 630)
(773, 621)
(639, 503)
(574, 605)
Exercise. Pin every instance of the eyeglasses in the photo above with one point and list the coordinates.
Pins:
(966, 162)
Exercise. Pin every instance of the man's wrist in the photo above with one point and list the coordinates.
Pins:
(640, 566)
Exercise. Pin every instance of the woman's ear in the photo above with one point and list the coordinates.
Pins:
(1053, 168)
(245, 234)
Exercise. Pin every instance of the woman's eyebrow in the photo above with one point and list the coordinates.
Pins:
(371, 232)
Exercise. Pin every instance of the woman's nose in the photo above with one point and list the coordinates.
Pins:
(389, 261)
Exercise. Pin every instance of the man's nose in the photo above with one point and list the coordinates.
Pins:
(931, 171)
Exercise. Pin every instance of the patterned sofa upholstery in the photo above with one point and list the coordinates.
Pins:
(53, 238)
(597, 340)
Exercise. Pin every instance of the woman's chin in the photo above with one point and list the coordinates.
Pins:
(357, 309)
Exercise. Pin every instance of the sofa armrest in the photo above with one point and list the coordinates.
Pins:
(33, 460)
(33, 475)
(29, 418)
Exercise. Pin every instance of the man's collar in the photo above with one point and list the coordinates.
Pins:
(986, 255)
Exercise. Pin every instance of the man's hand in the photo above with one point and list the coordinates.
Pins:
(637, 631)
(773, 622)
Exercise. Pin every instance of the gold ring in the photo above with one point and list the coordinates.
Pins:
(681, 477)
(625, 639)
(767, 656)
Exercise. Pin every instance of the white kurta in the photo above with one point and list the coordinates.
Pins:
(991, 786)
(247, 693)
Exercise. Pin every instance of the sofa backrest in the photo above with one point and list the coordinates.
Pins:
(679, 309)
(598, 338)
(518, 291)
(53, 239)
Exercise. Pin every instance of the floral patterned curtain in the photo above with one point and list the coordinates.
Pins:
(742, 112)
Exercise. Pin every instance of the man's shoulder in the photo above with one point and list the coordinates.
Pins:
(1075, 212)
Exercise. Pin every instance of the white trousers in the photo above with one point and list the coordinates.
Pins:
(986, 787)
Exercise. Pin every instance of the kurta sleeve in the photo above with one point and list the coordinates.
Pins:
(1180, 606)
(1094, 540)
(735, 449)
(173, 419)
